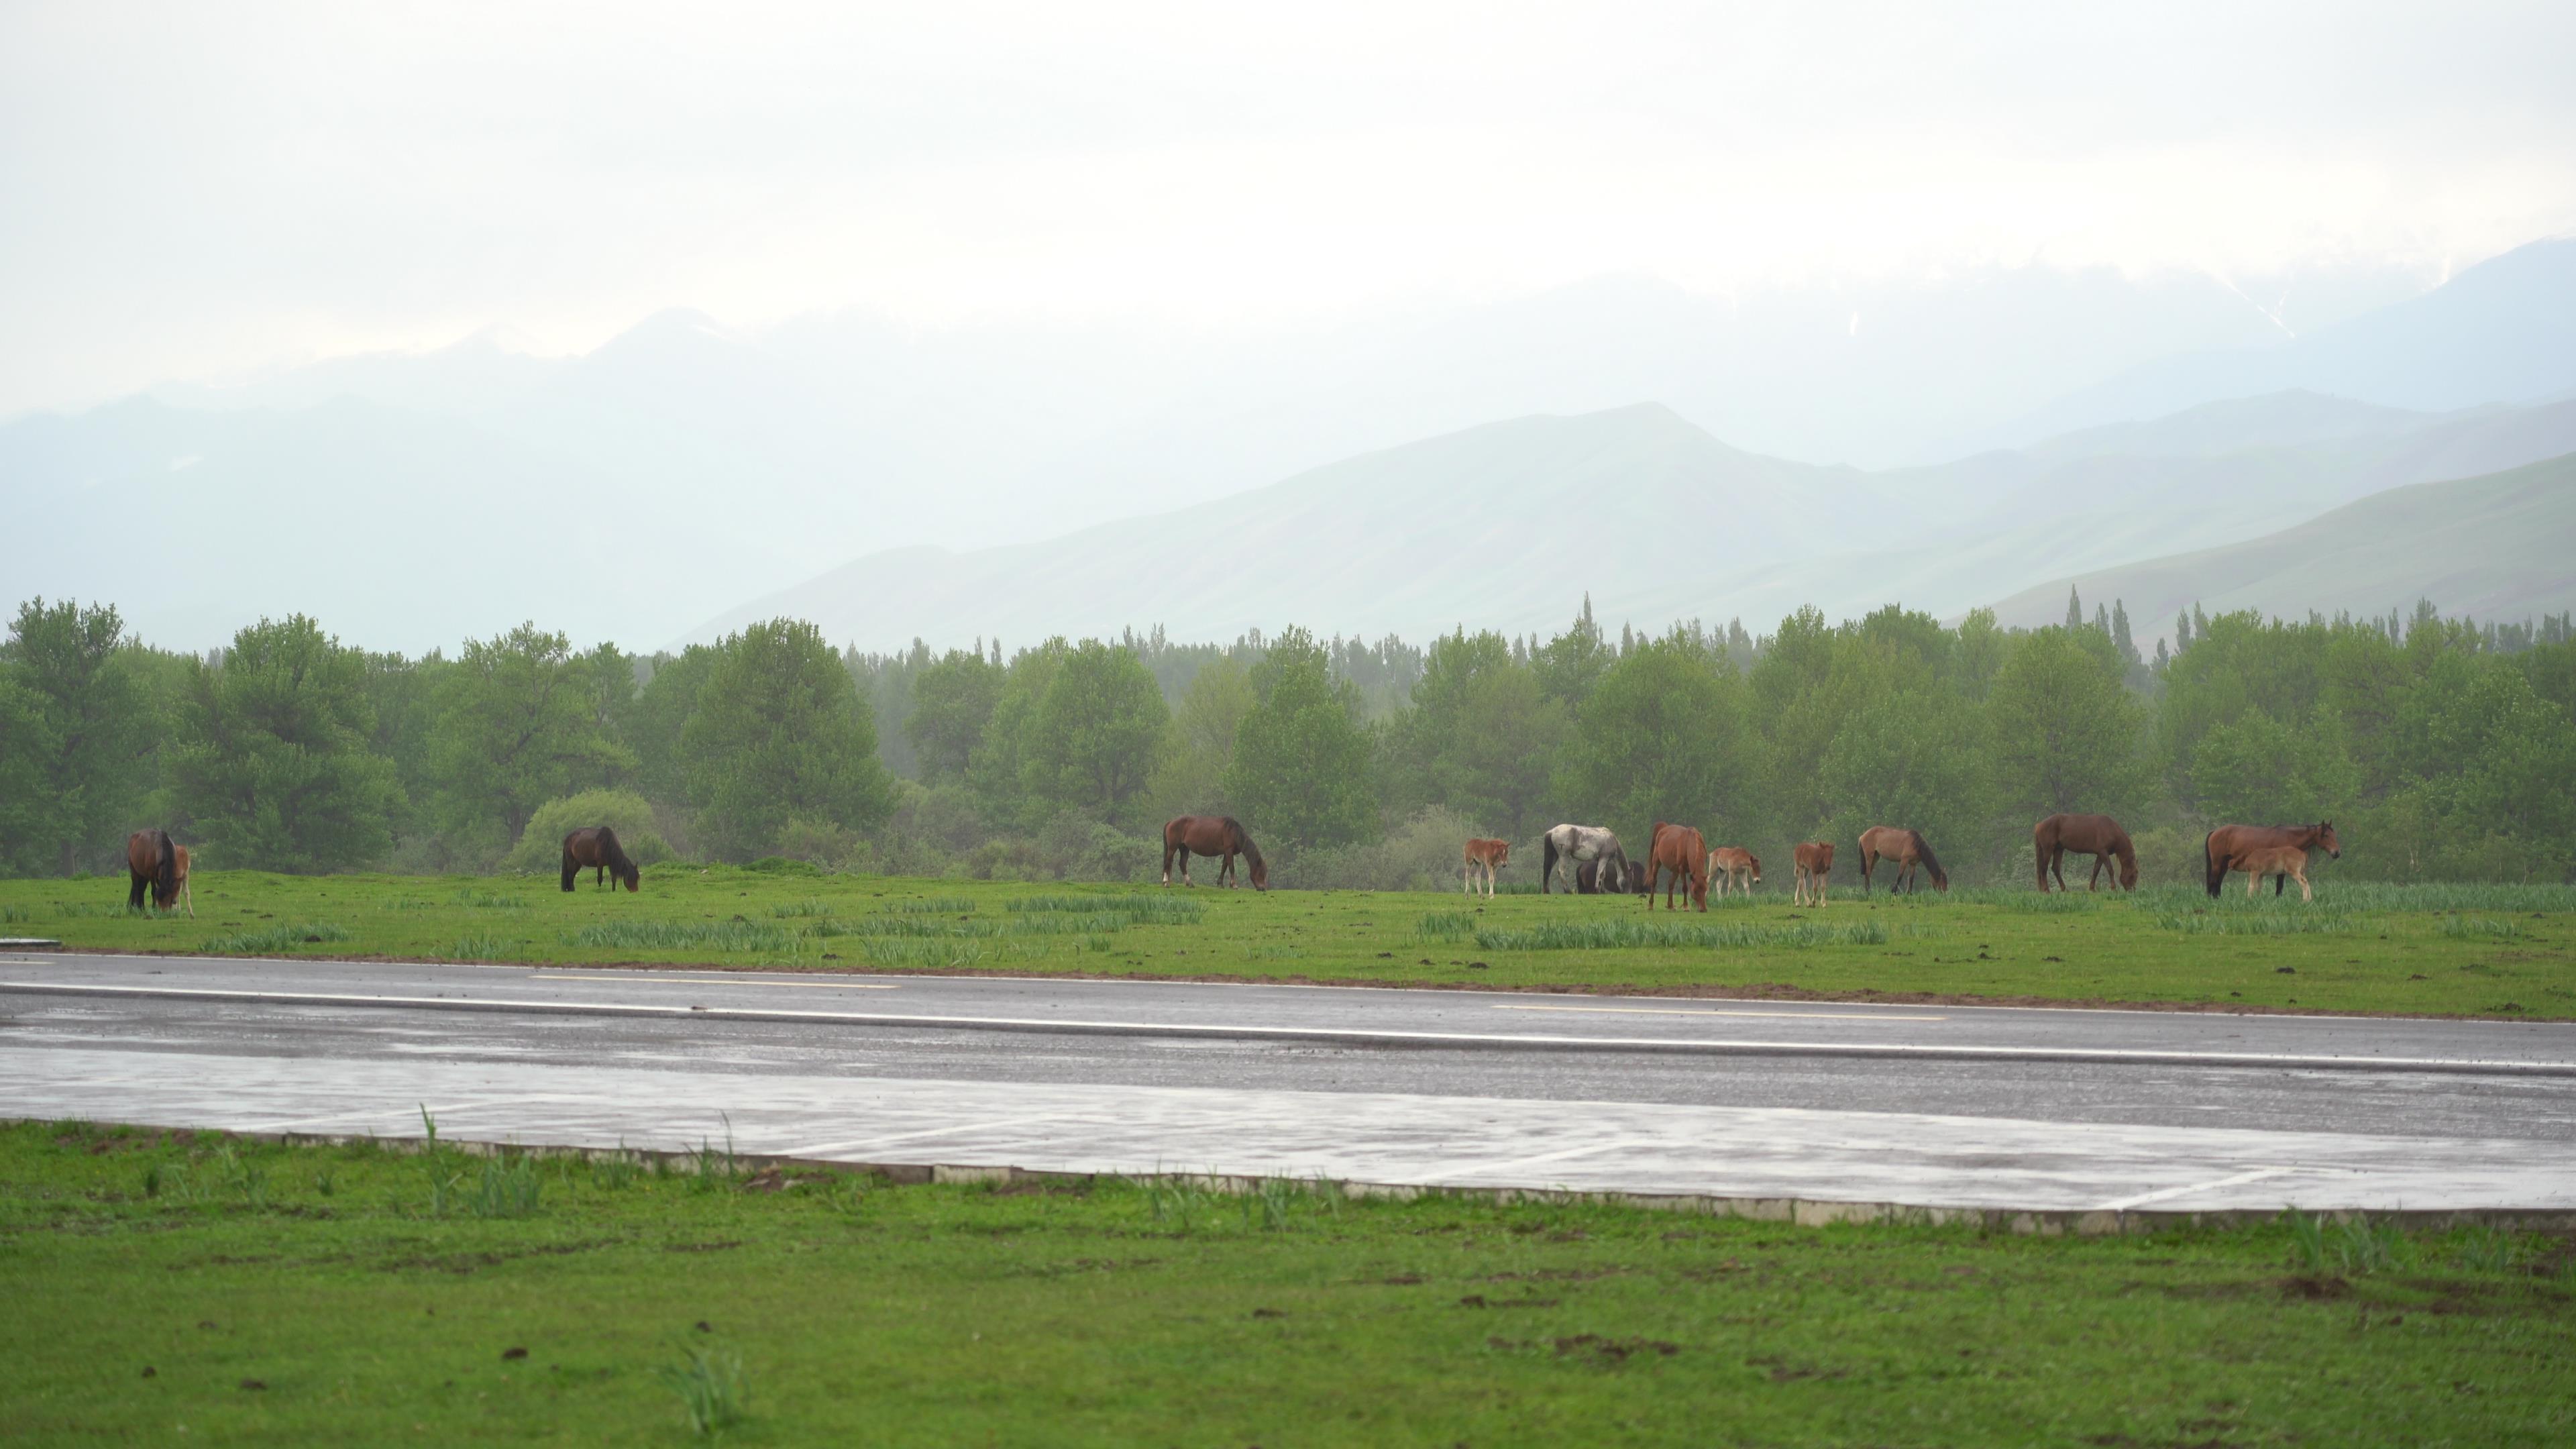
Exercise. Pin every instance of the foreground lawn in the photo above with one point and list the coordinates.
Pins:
(232, 1292)
(2473, 950)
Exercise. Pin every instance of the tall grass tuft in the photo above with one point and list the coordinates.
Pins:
(1446, 925)
(1633, 934)
(680, 936)
(1143, 909)
(284, 936)
(2295, 921)
(509, 1189)
(490, 900)
(2481, 928)
(932, 905)
(712, 1386)
(788, 909)
(479, 946)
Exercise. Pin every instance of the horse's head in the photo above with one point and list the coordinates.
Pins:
(2129, 871)
(634, 877)
(1756, 862)
(1260, 874)
(2327, 842)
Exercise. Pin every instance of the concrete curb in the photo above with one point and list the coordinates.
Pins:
(1802, 1212)
(1350, 1036)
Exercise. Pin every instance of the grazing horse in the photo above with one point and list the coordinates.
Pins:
(1734, 865)
(1576, 844)
(1215, 835)
(1907, 849)
(2098, 836)
(151, 859)
(2232, 847)
(1487, 856)
(1812, 863)
(1679, 849)
(596, 846)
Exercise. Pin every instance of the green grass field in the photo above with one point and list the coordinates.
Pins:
(205, 1290)
(2496, 950)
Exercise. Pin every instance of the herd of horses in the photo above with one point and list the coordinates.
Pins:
(1677, 858)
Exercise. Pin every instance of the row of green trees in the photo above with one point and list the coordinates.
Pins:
(2442, 749)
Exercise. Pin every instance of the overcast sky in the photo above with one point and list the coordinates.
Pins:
(204, 192)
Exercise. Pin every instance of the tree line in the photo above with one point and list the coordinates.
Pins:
(2441, 747)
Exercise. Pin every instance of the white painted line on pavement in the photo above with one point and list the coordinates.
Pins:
(1700, 1011)
(712, 981)
(2163, 1194)
(1522, 1040)
(1517, 1163)
(820, 1148)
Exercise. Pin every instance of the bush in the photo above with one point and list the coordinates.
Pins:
(821, 843)
(1423, 854)
(1075, 848)
(540, 847)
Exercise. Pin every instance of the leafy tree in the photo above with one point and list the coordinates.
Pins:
(2257, 770)
(1480, 738)
(660, 712)
(1090, 742)
(779, 734)
(2064, 733)
(952, 704)
(1658, 741)
(273, 758)
(1198, 743)
(1571, 663)
(1911, 758)
(27, 750)
(85, 740)
(521, 720)
(1300, 772)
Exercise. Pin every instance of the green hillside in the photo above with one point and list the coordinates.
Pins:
(2497, 546)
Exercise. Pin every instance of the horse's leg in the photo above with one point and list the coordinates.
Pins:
(2094, 882)
(2305, 895)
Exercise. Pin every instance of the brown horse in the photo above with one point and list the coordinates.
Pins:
(1734, 865)
(1679, 849)
(1486, 856)
(596, 847)
(1213, 835)
(2232, 847)
(182, 895)
(2284, 863)
(151, 859)
(2098, 836)
(1812, 863)
(1907, 849)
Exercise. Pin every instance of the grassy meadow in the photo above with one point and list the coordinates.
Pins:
(2494, 950)
(199, 1289)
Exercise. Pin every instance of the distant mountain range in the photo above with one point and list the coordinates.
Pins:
(646, 487)
(2496, 547)
(1507, 526)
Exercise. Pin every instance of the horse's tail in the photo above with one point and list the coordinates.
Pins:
(1931, 862)
(2215, 868)
(1546, 861)
(165, 872)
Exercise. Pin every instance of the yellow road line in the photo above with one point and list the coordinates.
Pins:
(1689, 1011)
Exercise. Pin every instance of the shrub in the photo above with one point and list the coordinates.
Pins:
(1422, 854)
(540, 847)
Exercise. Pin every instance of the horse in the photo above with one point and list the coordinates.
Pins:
(181, 895)
(2230, 846)
(1810, 864)
(596, 846)
(1577, 844)
(151, 859)
(2283, 863)
(1734, 865)
(1679, 849)
(1907, 848)
(2098, 836)
(1487, 856)
(1215, 835)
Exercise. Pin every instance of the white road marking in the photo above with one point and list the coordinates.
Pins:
(1750, 1046)
(817, 1149)
(713, 981)
(1517, 1163)
(2163, 1194)
(1692, 1011)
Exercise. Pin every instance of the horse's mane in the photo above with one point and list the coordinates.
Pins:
(165, 876)
(1931, 862)
(615, 854)
(1251, 852)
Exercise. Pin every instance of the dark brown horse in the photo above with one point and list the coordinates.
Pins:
(1907, 848)
(1213, 835)
(2098, 836)
(1680, 850)
(1814, 864)
(2235, 847)
(595, 846)
(151, 859)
